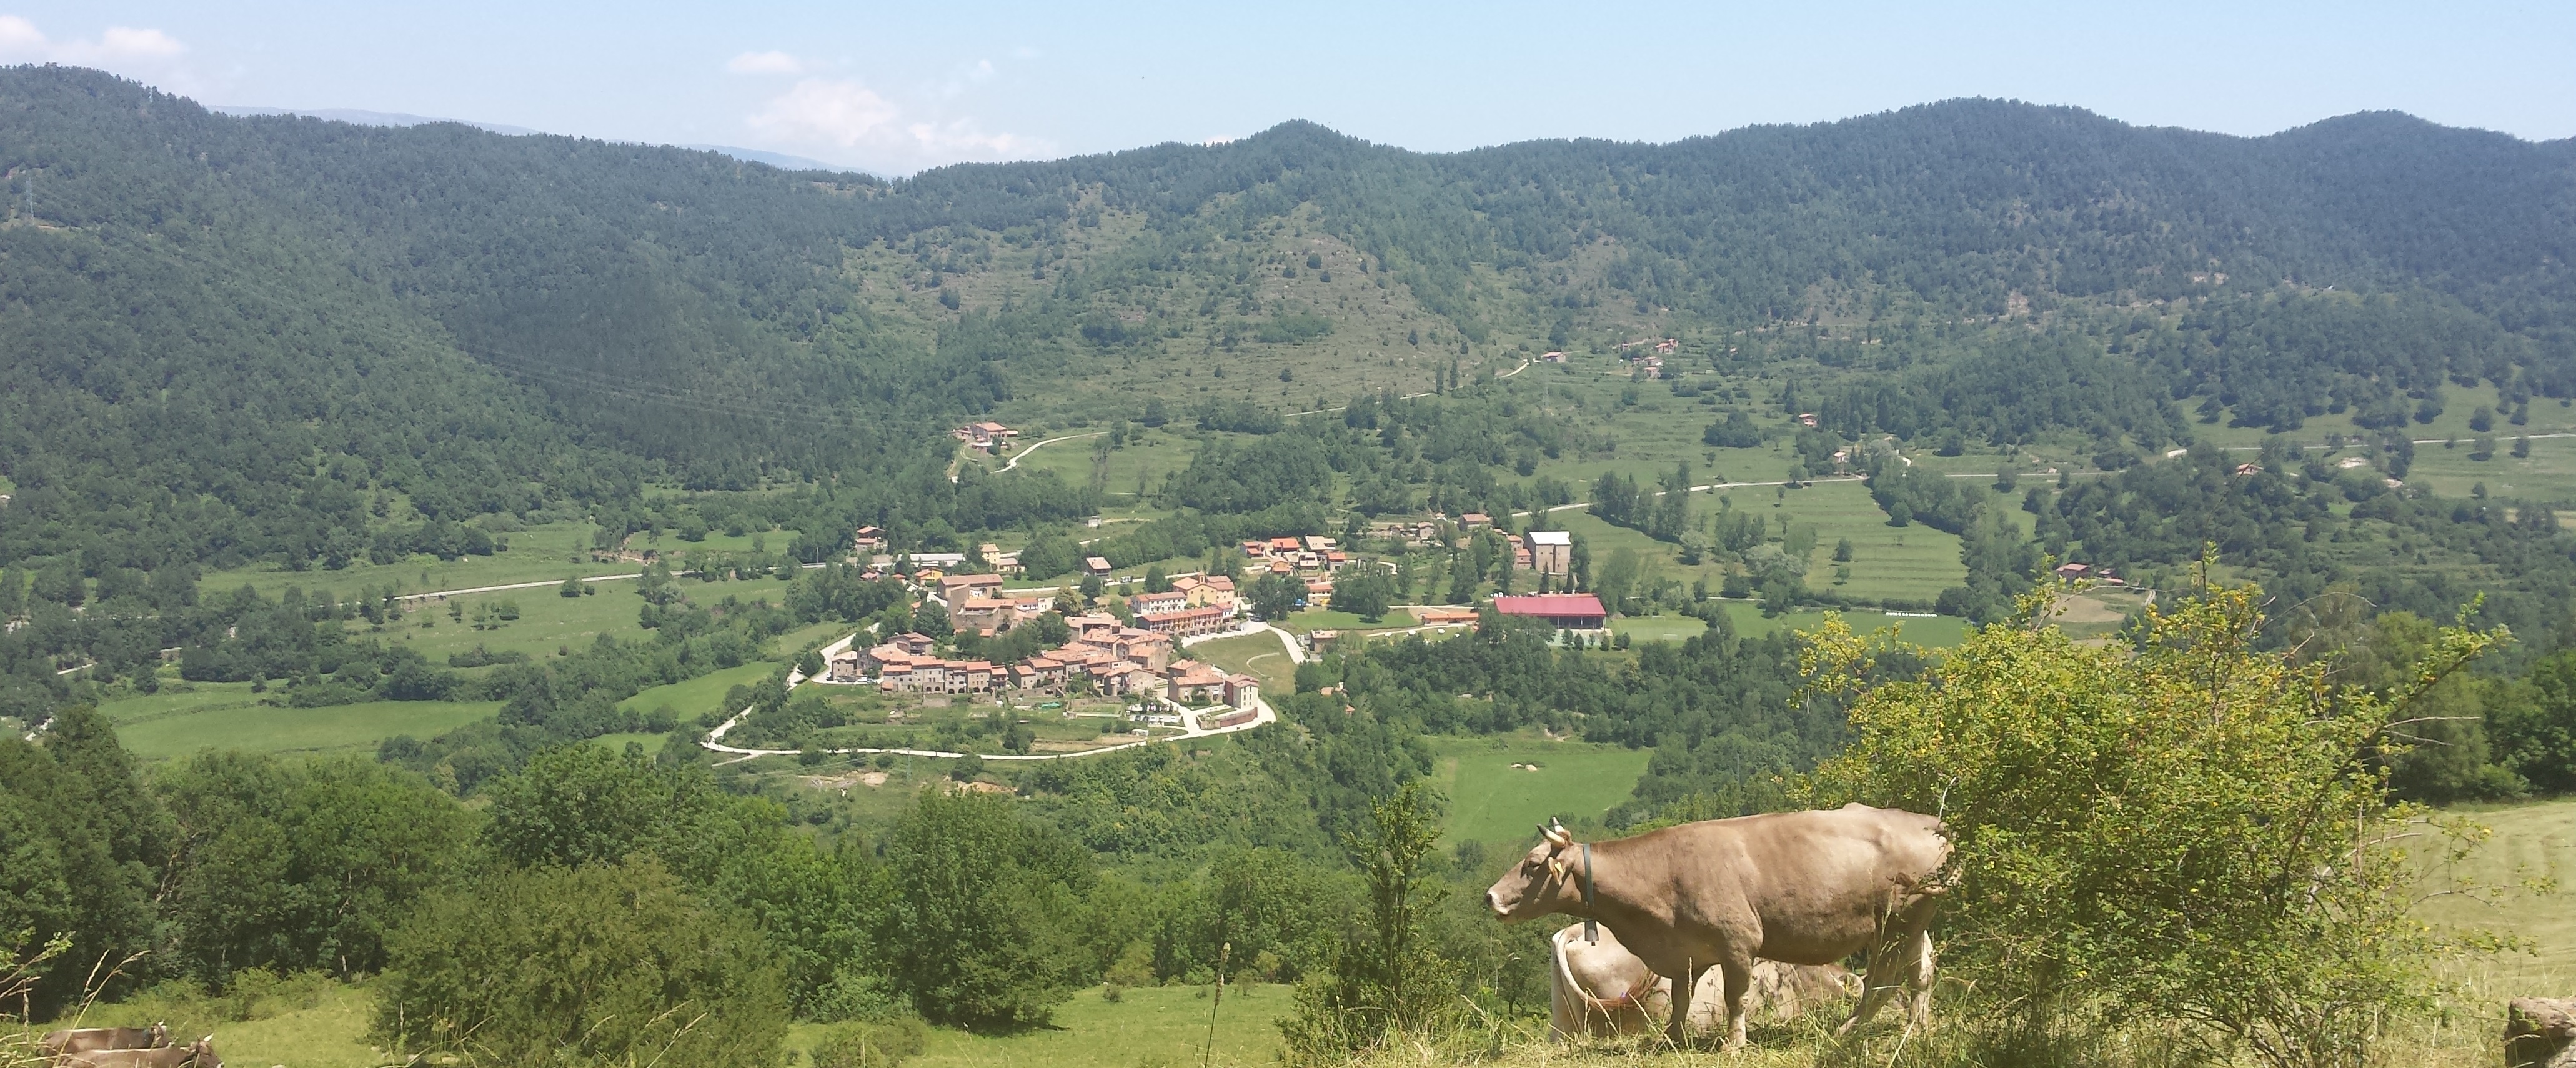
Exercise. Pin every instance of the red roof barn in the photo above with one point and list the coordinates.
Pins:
(1565, 611)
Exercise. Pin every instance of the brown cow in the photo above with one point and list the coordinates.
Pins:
(1600, 989)
(197, 1054)
(1795, 887)
(84, 1039)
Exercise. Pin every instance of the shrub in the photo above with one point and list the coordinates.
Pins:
(2192, 831)
(596, 965)
(881, 1044)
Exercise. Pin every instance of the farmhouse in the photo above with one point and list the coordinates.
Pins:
(1551, 552)
(1096, 565)
(1564, 611)
(984, 436)
(956, 589)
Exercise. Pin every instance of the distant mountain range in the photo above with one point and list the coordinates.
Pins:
(361, 117)
(203, 310)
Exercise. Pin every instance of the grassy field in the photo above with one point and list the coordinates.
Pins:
(2532, 841)
(308, 1025)
(1261, 656)
(1148, 1027)
(702, 694)
(535, 555)
(218, 715)
(1491, 801)
(1657, 628)
(548, 621)
(1913, 562)
(2548, 474)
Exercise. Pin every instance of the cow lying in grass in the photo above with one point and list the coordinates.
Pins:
(1795, 887)
(1599, 989)
(85, 1039)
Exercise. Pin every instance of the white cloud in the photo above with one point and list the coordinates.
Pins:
(126, 42)
(22, 42)
(846, 115)
(765, 63)
(140, 53)
(839, 113)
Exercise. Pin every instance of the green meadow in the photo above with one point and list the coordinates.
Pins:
(1491, 801)
(1261, 656)
(701, 695)
(2548, 474)
(186, 717)
(548, 621)
(536, 554)
(1165, 1027)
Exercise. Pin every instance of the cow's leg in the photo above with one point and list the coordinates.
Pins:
(1738, 970)
(1919, 960)
(1678, 1029)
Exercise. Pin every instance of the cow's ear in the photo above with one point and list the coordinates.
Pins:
(1556, 867)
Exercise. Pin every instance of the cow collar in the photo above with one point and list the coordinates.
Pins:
(1591, 926)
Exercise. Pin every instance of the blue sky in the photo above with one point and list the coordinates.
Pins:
(897, 87)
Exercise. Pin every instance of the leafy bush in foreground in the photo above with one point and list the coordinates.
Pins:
(2192, 831)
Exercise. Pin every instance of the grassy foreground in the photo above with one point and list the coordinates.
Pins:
(322, 1025)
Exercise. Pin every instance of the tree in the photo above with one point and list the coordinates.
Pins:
(931, 618)
(1619, 578)
(81, 846)
(605, 965)
(1387, 977)
(585, 805)
(1364, 590)
(1156, 580)
(2192, 830)
(2533, 728)
(975, 932)
(1274, 596)
(304, 865)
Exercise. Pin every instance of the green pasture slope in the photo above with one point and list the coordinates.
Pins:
(2535, 841)
(220, 715)
(536, 554)
(1491, 801)
(702, 694)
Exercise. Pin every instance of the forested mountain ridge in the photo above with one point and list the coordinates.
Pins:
(276, 337)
